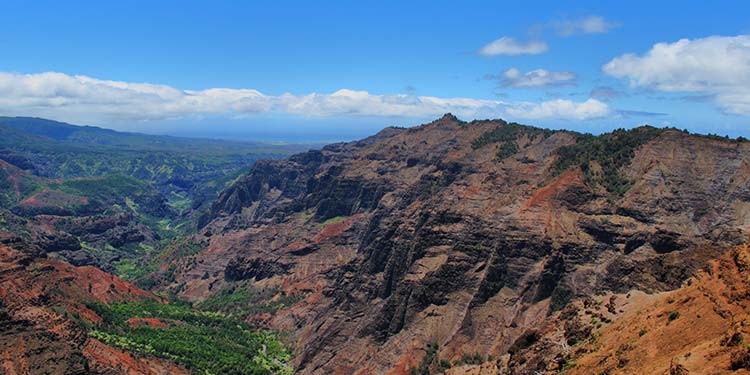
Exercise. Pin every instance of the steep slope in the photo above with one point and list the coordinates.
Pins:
(99, 197)
(87, 221)
(43, 314)
(699, 328)
(453, 241)
(60, 319)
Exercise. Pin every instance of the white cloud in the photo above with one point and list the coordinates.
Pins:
(562, 108)
(586, 25)
(511, 47)
(89, 100)
(716, 65)
(535, 78)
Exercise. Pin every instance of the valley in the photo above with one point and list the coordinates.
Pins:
(451, 247)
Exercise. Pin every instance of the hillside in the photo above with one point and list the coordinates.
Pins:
(80, 204)
(698, 328)
(62, 319)
(420, 249)
(99, 197)
(188, 171)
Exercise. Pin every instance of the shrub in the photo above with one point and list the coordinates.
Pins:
(506, 149)
(431, 363)
(471, 359)
(611, 151)
(740, 360)
(507, 132)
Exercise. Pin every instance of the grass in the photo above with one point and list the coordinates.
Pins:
(130, 269)
(335, 219)
(204, 342)
(179, 202)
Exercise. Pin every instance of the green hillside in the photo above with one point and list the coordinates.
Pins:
(107, 198)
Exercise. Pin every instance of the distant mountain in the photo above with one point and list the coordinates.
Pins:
(192, 169)
(92, 135)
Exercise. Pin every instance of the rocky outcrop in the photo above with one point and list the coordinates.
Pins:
(697, 328)
(442, 241)
(258, 269)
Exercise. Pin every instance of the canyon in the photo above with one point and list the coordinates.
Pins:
(449, 247)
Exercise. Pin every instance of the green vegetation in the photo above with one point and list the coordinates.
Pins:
(431, 363)
(103, 187)
(244, 300)
(611, 151)
(507, 135)
(506, 149)
(335, 219)
(567, 367)
(642, 332)
(508, 132)
(158, 181)
(141, 191)
(470, 359)
(193, 169)
(131, 268)
(205, 342)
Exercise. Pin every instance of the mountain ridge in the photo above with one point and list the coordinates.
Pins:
(384, 241)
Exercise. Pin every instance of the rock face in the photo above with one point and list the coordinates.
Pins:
(465, 235)
(701, 326)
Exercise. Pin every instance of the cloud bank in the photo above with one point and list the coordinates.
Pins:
(535, 78)
(716, 66)
(85, 99)
(510, 47)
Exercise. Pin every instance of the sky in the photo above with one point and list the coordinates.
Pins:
(341, 70)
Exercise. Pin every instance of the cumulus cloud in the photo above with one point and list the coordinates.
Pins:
(510, 47)
(586, 25)
(91, 100)
(535, 78)
(717, 66)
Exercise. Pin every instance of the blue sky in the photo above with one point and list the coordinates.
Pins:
(154, 67)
